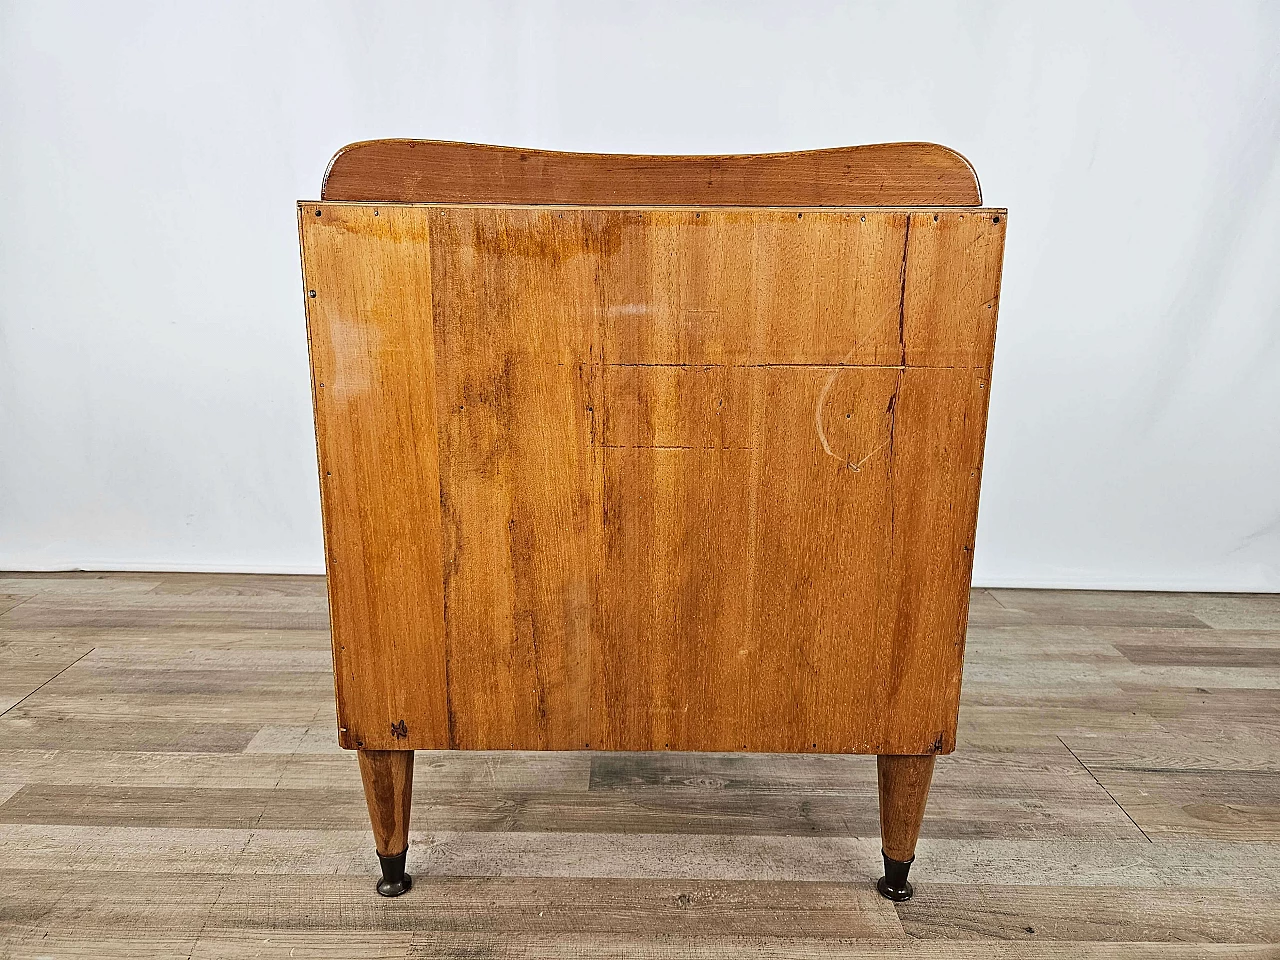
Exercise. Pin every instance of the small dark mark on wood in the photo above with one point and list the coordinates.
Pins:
(451, 719)
(893, 424)
(541, 689)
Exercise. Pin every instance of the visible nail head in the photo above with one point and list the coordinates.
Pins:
(311, 294)
(317, 213)
(995, 219)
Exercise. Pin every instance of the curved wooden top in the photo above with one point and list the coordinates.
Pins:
(436, 171)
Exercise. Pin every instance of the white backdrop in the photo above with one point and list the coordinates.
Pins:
(154, 406)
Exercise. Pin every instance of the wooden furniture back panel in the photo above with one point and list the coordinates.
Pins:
(373, 381)
(706, 479)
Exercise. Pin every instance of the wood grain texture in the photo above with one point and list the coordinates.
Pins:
(707, 480)
(373, 380)
(1054, 912)
(242, 836)
(388, 792)
(904, 791)
(632, 405)
(433, 171)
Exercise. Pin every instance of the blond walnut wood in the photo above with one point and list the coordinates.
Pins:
(904, 791)
(374, 387)
(388, 790)
(700, 479)
(433, 171)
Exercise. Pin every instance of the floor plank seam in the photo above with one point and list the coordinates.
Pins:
(14, 607)
(231, 873)
(227, 877)
(1105, 790)
(999, 602)
(49, 681)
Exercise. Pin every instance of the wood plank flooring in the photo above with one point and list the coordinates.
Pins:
(171, 786)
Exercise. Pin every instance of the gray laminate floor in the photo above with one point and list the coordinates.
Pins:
(170, 786)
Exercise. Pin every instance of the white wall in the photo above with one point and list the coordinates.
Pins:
(154, 407)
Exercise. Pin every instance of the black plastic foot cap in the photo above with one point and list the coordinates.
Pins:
(394, 880)
(894, 885)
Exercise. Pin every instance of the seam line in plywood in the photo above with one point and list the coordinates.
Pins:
(800, 366)
(658, 207)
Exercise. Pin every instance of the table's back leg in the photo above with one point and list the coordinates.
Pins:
(904, 790)
(388, 790)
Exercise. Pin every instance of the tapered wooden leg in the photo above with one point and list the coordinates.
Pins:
(388, 790)
(904, 790)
